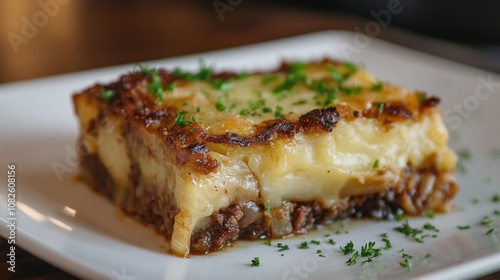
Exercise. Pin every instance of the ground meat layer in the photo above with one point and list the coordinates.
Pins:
(418, 191)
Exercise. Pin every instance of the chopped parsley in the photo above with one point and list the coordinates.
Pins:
(268, 243)
(407, 230)
(368, 250)
(315, 242)
(376, 164)
(380, 107)
(221, 104)
(387, 242)
(496, 198)
(490, 231)
(223, 85)
(107, 94)
(325, 95)
(156, 85)
(300, 102)
(304, 245)
(349, 248)
(349, 91)
(378, 86)
(366, 261)
(331, 242)
(269, 78)
(406, 263)
(421, 98)
(496, 212)
(429, 214)
(283, 247)
(255, 262)
(295, 75)
(486, 221)
(352, 260)
(181, 121)
(429, 226)
(463, 227)
(278, 112)
(204, 74)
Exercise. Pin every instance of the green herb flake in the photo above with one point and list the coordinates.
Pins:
(496, 212)
(429, 226)
(486, 221)
(406, 263)
(490, 231)
(376, 164)
(204, 74)
(352, 260)
(300, 102)
(407, 230)
(495, 198)
(255, 262)
(429, 214)
(283, 247)
(181, 121)
(378, 86)
(428, 255)
(268, 242)
(421, 98)
(351, 69)
(463, 227)
(278, 112)
(366, 261)
(107, 94)
(304, 245)
(221, 104)
(380, 107)
(419, 238)
(269, 78)
(222, 85)
(331, 242)
(464, 154)
(349, 248)
(315, 242)
(295, 75)
(368, 250)
(350, 91)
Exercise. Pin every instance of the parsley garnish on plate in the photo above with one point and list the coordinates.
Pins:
(255, 262)
(348, 248)
(352, 260)
(304, 245)
(463, 227)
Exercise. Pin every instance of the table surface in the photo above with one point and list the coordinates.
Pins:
(80, 35)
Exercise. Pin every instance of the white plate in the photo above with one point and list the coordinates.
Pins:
(66, 224)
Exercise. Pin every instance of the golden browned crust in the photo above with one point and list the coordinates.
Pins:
(134, 104)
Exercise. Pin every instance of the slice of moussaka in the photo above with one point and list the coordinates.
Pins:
(207, 158)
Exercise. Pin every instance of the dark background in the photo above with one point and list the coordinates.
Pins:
(92, 33)
(87, 34)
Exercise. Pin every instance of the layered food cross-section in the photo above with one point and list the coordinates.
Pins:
(207, 158)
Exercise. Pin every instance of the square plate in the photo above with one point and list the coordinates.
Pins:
(65, 223)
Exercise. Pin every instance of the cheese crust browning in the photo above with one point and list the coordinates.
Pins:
(207, 158)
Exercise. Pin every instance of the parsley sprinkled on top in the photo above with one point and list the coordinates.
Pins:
(156, 85)
(107, 94)
(181, 120)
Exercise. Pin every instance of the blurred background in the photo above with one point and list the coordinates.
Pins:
(47, 37)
